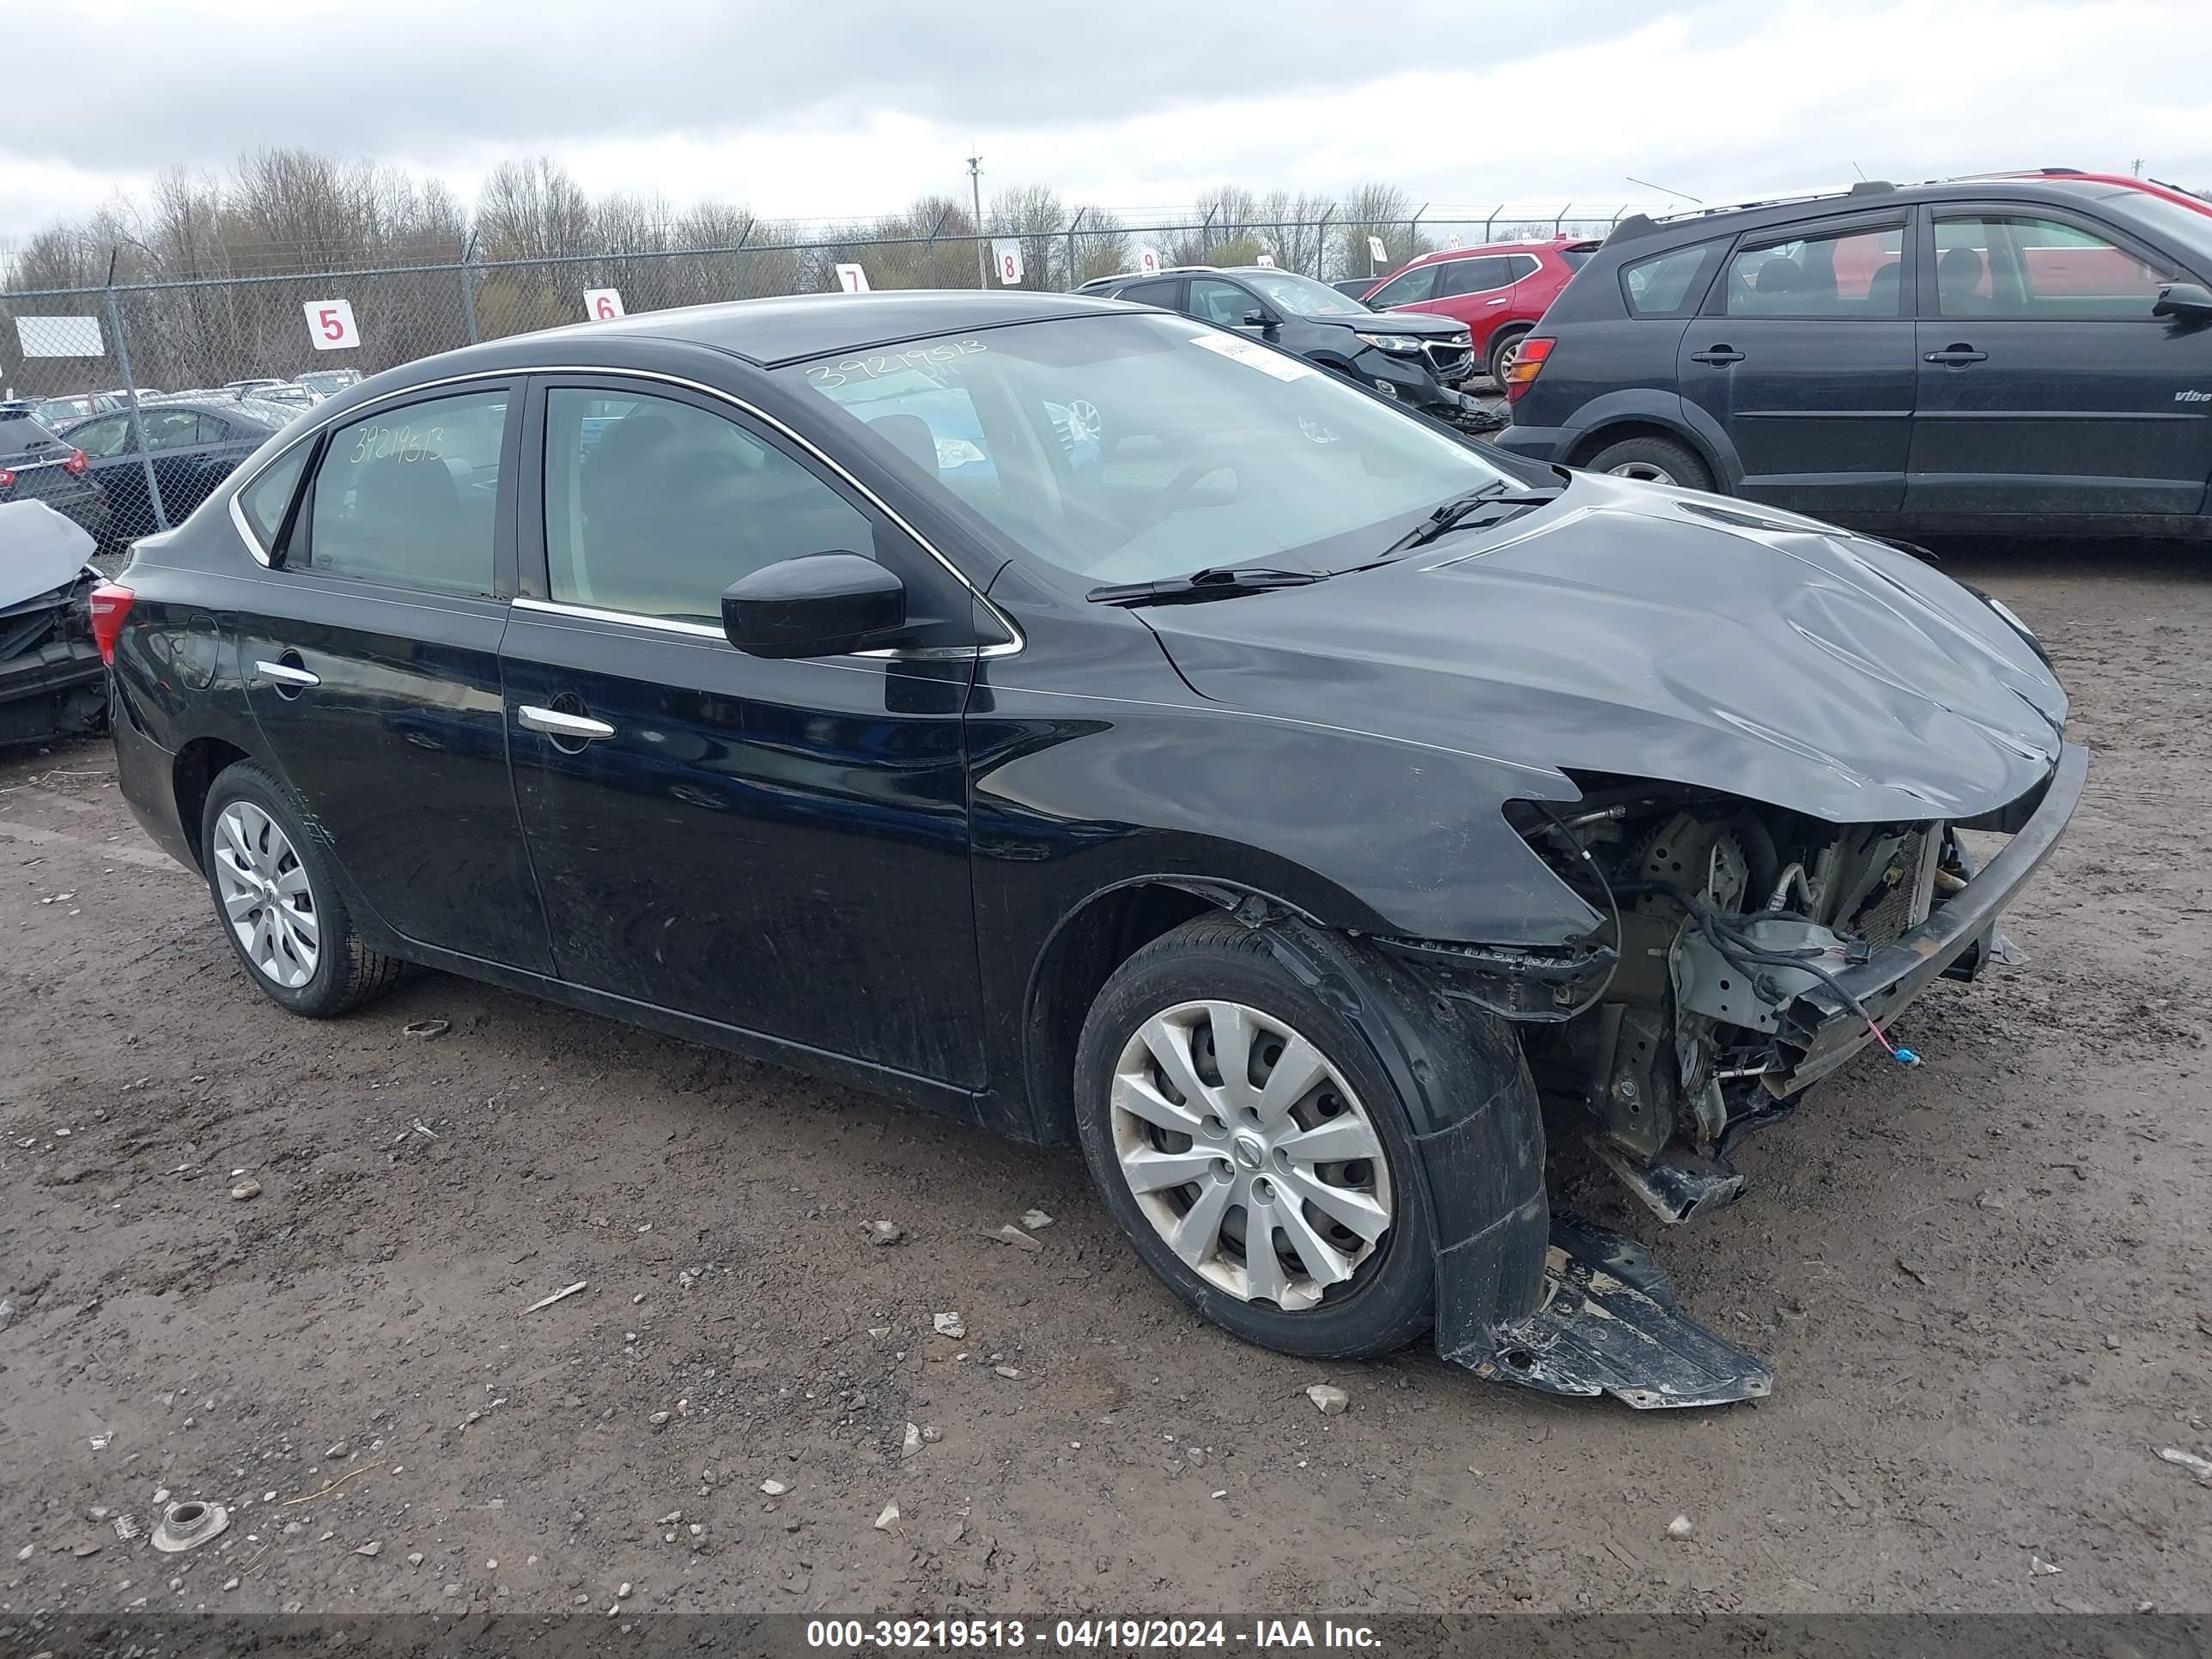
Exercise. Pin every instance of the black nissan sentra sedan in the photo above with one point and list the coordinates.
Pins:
(1312, 813)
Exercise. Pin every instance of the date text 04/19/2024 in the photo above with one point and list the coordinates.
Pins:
(1260, 1636)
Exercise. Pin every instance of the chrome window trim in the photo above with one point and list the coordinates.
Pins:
(238, 514)
(1015, 640)
(702, 631)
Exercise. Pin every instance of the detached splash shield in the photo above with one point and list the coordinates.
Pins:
(1611, 1324)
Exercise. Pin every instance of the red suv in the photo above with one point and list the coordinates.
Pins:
(1498, 291)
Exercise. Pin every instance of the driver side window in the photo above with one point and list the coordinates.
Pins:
(1217, 301)
(654, 506)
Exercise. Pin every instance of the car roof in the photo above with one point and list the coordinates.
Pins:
(1869, 195)
(768, 332)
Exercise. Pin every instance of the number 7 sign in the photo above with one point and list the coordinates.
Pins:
(330, 325)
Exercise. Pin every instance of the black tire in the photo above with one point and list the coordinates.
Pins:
(1680, 464)
(1390, 1297)
(347, 973)
(1503, 345)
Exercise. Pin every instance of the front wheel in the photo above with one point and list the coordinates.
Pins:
(1253, 1151)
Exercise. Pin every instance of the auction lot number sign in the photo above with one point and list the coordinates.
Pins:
(330, 325)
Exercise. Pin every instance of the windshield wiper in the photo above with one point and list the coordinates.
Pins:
(1225, 582)
(1454, 512)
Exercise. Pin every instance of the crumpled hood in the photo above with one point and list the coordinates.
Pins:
(1660, 633)
(40, 551)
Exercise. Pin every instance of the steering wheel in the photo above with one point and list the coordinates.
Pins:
(1181, 485)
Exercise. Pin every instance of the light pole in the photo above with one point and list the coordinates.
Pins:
(976, 190)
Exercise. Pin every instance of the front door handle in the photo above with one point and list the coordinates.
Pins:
(558, 723)
(1957, 356)
(1719, 356)
(284, 674)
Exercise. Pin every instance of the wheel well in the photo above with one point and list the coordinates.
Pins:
(198, 763)
(1077, 962)
(1621, 431)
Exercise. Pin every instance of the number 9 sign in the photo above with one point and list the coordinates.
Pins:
(602, 303)
(330, 325)
(1148, 261)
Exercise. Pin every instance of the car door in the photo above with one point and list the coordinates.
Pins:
(2045, 384)
(370, 653)
(780, 846)
(1804, 356)
(174, 439)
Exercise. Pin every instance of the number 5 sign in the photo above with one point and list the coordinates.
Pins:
(600, 303)
(330, 325)
(1008, 253)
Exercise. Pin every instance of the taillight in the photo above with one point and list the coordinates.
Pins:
(77, 464)
(1528, 364)
(109, 604)
(7, 479)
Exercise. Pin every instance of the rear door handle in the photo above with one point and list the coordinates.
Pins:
(557, 723)
(1958, 356)
(1718, 356)
(285, 674)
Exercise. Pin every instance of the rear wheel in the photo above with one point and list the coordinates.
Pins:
(1505, 347)
(277, 899)
(1653, 460)
(1252, 1150)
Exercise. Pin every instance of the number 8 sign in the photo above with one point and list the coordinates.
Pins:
(330, 325)
(1008, 253)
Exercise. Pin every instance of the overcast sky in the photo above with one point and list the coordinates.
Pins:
(807, 109)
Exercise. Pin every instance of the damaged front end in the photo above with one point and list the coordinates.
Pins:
(1744, 952)
(52, 682)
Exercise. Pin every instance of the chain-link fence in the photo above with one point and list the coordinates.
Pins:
(126, 404)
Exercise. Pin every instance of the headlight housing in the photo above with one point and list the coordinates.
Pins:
(1398, 345)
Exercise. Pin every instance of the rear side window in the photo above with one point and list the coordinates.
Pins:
(1476, 275)
(1665, 285)
(102, 438)
(1151, 294)
(1848, 273)
(409, 496)
(266, 501)
(653, 507)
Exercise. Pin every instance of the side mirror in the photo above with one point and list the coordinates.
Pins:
(2192, 303)
(1260, 319)
(821, 604)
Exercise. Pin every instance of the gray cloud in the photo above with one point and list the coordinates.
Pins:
(172, 86)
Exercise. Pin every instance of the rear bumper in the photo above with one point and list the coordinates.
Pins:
(146, 774)
(1825, 1033)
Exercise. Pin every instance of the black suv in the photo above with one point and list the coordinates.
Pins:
(1417, 360)
(1976, 356)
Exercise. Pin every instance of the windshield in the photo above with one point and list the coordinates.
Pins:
(2190, 229)
(1141, 447)
(1301, 296)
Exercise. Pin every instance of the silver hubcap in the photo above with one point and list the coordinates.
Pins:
(266, 895)
(1507, 354)
(1646, 472)
(1248, 1153)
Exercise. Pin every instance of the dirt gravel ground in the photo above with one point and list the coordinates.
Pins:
(1983, 1286)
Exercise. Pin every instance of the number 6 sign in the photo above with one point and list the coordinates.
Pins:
(600, 303)
(330, 325)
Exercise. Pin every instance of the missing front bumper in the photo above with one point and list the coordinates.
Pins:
(1824, 1033)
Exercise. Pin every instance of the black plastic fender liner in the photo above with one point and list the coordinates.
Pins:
(1476, 1124)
